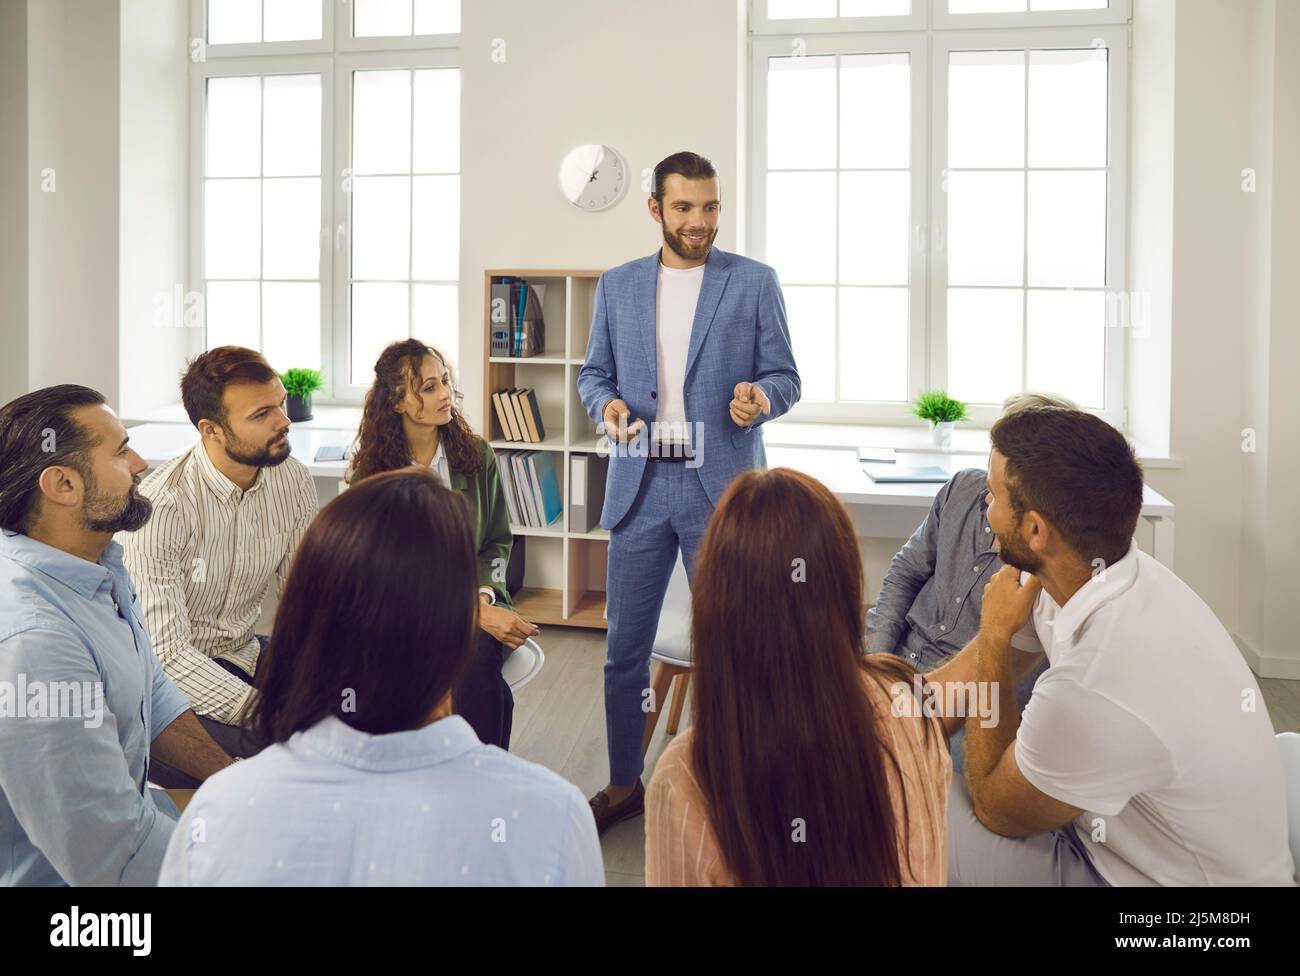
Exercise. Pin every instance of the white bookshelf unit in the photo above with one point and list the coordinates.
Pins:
(564, 571)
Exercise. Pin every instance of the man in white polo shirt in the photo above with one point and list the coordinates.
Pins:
(1145, 755)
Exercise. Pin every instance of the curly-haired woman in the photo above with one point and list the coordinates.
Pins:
(411, 417)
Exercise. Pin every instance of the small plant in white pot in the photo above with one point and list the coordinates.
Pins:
(942, 412)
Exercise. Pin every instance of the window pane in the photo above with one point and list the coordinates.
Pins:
(1067, 108)
(876, 8)
(800, 227)
(986, 108)
(984, 340)
(874, 223)
(291, 329)
(873, 344)
(291, 228)
(232, 314)
(381, 227)
(234, 144)
(437, 16)
(435, 320)
(381, 122)
(800, 112)
(234, 21)
(1067, 228)
(379, 316)
(1067, 344)
(435, 228)
(875, 111)
(381, 18)
(811, 313)
(232, 229)
(292, 20)
(787, 9)
(986, 228)
(291, 125)
(437, 121)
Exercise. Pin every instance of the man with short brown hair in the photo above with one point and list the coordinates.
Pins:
(228, 515)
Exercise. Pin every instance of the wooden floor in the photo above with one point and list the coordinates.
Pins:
(560, 722)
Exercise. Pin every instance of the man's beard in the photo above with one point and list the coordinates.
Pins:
(263, 457)
(104, 513)
(1016, 555)
(685, 251)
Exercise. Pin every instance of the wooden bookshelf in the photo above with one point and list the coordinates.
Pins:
(564, 571)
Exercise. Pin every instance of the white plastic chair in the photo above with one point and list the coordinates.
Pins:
(1288, 744)
(523, 664)
(672, 651)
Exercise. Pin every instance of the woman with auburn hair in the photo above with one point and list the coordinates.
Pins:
(800, 768)
(370, 779)
(411, 416)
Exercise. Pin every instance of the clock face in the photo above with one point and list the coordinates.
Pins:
(593, 177)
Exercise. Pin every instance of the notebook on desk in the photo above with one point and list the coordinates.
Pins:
(894, 474)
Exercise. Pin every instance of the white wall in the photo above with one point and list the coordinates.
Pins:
(13, 198)
(647, 78)
(73, 67)
(154, 194)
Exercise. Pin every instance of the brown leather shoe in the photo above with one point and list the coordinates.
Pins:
(607, 815)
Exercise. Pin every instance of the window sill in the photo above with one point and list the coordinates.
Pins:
(324, 417)
(903, 439)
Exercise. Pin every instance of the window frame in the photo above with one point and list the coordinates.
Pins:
(341, 225)
(928, 368)
(335, 56)
(260, 68)
(913, 45)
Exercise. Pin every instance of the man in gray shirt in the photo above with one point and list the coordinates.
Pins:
(930, 599)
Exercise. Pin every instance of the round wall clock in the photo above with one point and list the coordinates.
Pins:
(593, 177)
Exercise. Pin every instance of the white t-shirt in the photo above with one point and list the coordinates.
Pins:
(1149, 721)
(678, 294)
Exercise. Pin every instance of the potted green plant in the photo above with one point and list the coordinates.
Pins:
(942, 412)
(299, 385)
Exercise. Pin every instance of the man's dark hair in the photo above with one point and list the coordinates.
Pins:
(691, 165)
(377, 619)
(37, 431)
(1075, 470)
(206, 377)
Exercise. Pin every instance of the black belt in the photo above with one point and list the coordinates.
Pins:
(670, 452)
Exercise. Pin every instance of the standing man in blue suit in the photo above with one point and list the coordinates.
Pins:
(689, 355)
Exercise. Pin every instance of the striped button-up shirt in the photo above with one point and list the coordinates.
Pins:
(203, 562)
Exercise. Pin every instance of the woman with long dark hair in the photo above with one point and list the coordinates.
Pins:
(411, 416)
(370, 779)
(808, 762)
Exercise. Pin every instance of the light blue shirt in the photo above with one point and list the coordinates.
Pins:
(73, 803)
(434, 806)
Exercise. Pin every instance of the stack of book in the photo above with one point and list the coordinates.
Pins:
(531, 486)
(518, 415)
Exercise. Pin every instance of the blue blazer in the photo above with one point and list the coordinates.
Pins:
(740, 333)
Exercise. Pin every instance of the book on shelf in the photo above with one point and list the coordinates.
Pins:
(518, 415)
(518, 325)
(587, 473)
(532, 487)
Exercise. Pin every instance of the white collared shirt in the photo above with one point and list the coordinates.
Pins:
(202, 564)
(1150, 722)
(336, 806)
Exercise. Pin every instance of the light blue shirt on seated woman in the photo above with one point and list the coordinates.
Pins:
(433, 806)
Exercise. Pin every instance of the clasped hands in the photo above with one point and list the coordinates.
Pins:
(747, 402)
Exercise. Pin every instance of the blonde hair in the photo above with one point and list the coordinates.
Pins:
(1018, 401)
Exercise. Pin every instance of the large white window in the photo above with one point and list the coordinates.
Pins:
(945, 208)
(326, 197)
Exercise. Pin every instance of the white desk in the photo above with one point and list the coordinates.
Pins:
(879, 511)
(885, 511)
(160, 442)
